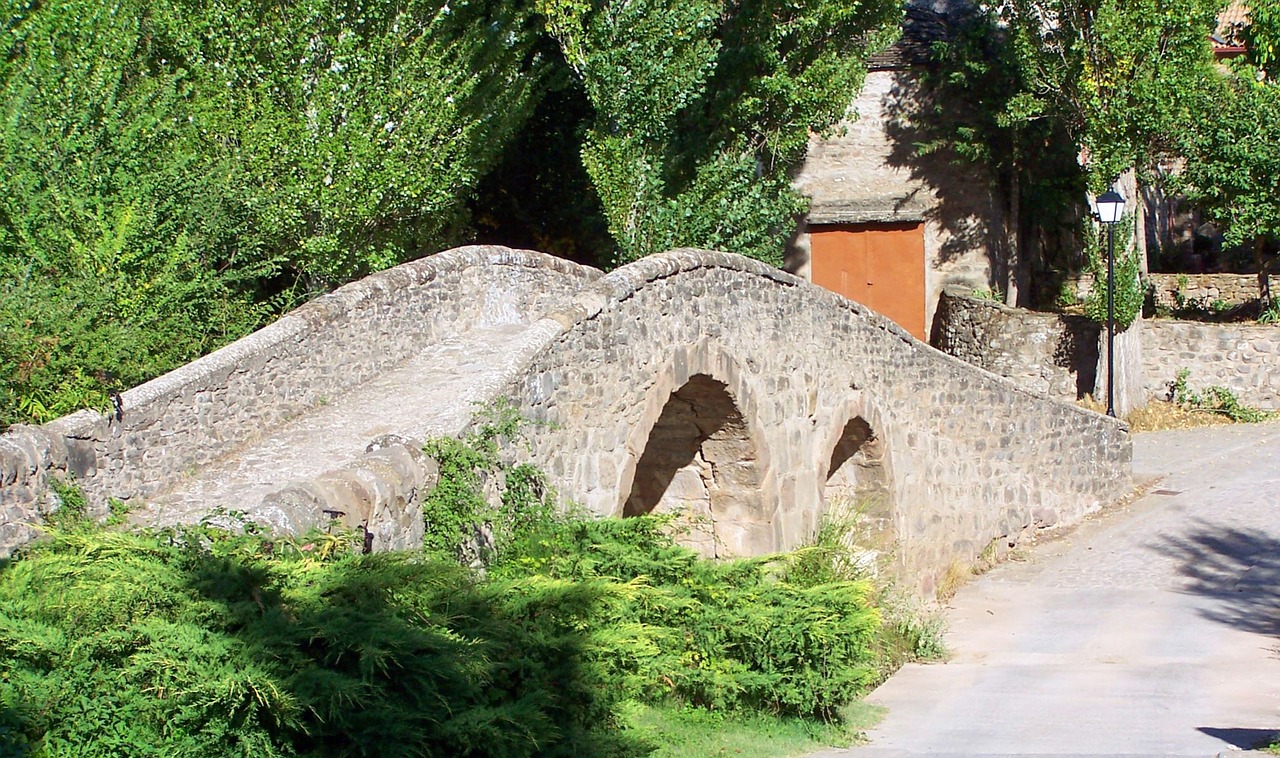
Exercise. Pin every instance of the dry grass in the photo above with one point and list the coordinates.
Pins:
(956, 576)
(1160, 415)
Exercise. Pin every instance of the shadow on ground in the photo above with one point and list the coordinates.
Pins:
(1236, 569)
(1245, 739)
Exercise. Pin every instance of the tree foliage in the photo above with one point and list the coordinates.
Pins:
(701, 108)
(1233, 159)
(175, 171)
(974, 108)
(1117, 73)
(1233, 156)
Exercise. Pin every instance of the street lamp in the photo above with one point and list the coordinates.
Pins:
(1110, 208)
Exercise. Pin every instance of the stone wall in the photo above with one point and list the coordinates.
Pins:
(965, 459)
(1174, 292)
(867, 171)
(1177, 291)
(1244, 358)
(209, 408)
(1056, 355)
(1052, 354)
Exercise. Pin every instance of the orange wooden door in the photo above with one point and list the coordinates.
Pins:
(878, 265)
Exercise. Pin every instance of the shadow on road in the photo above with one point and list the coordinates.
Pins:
(1245, 739)
(1239, 570)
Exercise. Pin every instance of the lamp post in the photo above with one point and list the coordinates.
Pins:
(1110, 208)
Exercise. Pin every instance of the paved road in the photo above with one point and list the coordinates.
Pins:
(1152, 630)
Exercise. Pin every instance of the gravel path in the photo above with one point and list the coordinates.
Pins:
(435, 393)
(1151, 630)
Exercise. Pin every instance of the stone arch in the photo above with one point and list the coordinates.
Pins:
(699, 455)
(858, 481)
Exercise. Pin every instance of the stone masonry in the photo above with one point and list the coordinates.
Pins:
(1244, 358)
(693, 381)
(215, 433)
(1174, 292)
(1056, 355)
(967, 458)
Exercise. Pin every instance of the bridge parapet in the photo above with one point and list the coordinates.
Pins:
(211, 407)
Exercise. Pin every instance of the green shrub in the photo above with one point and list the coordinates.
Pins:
(1129, 292)
(791, 635)
(206, 643)
(1214, 399)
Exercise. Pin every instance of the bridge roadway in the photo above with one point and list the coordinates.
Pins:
(1150, 631)
(433, 393)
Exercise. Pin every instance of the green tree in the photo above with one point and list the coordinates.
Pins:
(702, 107)
(357, 129)
(174, 172)
(1233, 159)
(1119, 74)
(975, 108)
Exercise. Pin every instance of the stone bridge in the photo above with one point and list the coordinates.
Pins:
(746, 398)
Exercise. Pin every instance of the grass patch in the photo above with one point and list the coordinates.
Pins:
(695, 733)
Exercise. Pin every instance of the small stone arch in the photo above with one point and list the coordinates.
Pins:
(858, 482)
(701, 457)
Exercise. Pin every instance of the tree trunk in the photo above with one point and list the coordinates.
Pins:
(1013, 241)
(1264, 270)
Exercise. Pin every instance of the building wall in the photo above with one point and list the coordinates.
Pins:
(865, 172)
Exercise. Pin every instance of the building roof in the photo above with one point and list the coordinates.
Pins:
(1226, 38)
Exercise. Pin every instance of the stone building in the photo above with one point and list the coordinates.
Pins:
(888, 228)
(892, 229)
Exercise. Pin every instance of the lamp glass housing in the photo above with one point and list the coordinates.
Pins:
(1110, 207)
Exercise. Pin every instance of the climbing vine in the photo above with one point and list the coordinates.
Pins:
(1129, 293)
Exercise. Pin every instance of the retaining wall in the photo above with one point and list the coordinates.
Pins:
(1244, 358)
(1175, 292)
(1052, 354)
(1057, 355)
